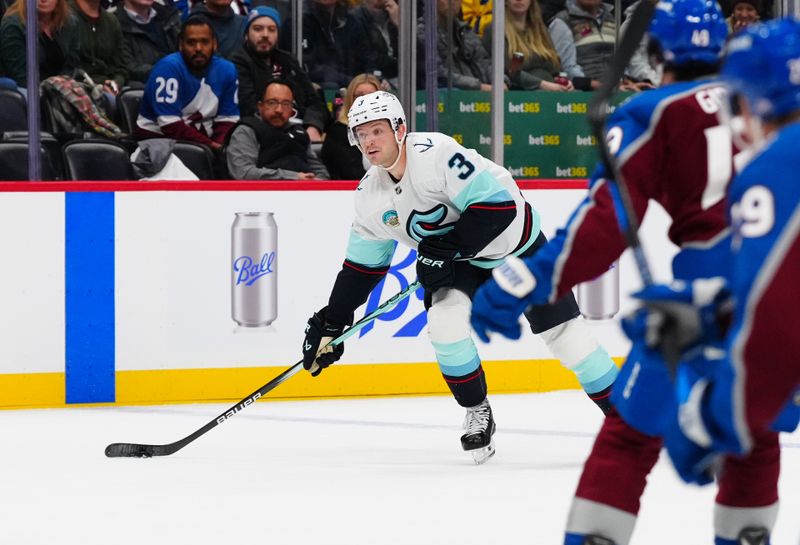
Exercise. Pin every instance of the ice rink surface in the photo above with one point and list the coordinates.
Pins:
(354, 472)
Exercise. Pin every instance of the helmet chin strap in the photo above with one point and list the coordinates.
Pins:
(399, 153)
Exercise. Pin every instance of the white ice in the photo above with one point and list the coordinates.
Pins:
(354, 472)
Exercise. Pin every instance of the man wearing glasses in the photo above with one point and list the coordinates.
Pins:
(272, 146)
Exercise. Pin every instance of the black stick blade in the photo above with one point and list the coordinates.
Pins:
(130, 450)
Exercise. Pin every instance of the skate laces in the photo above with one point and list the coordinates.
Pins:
(477, 420)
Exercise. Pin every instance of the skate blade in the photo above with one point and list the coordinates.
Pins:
(481, 455)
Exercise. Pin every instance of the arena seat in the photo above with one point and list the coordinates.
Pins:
(13, 111)
(97, 160)
(14, 161)
(128, 101)
(197, 158)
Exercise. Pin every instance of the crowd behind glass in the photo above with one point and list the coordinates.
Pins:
(220, 73)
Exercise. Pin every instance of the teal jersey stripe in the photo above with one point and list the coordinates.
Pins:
(491, 264)
(483, 188)
(372, 253)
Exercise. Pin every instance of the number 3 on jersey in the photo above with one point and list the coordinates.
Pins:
(460, 163)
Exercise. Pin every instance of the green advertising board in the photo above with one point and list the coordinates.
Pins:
(546, 134)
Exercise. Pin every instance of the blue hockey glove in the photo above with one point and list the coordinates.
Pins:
(693, 463)
(499, 302)
(435, 263)
(682, 315)
(643, 393)
(695, 442)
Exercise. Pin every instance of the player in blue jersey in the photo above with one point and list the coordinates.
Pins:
(736, 400)
(192, 94)
(671, 148)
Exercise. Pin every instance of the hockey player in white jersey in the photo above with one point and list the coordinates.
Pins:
(464, 214)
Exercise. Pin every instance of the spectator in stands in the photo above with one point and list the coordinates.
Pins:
(269, 147)
(259, 61)
(639, 73)
(594, 33)
(380, 19)
(531, 59)
(471, 65)
(100, 45)
(58, 41)
(744, 13)
(334, 45)
(228, 26)
(564, 43)
(150, 32)
(190, 95)
(343, 160)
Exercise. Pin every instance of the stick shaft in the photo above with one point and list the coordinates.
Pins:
(117, 450)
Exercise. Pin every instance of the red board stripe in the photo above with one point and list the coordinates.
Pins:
(234, 185)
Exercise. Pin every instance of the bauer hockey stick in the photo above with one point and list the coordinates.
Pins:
(136, 450)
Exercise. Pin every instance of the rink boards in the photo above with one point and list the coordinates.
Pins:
(121, 293)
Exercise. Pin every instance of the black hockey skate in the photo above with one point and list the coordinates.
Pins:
(479, 425)
(754, 536)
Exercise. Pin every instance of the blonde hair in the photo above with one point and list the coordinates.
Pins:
(60, 13)
(349, 95)
(534, 40)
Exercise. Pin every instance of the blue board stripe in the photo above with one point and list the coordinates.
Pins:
(89, 284)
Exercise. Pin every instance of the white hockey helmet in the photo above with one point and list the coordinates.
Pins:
(377, 105)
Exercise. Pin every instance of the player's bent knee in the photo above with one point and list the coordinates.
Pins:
(571, 342)
(448, 317)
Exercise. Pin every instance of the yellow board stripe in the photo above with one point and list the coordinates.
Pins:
(32, 390)
(232, 384)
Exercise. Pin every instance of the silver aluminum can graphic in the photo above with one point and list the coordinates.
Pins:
(598, 299)
(254, 269)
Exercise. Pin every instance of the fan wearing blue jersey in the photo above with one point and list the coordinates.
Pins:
(192, 94)
(463, 214)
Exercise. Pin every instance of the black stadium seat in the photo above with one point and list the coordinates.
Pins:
(13, 111)
(49, 143)
(128, 101)
(97, 160)
(197, 158)
(14, 162)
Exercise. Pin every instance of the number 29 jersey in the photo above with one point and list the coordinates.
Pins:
(441, 180)
(174, 94)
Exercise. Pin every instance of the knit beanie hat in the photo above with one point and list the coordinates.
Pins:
(262, 11)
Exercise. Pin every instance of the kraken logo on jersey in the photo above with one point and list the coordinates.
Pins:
(426, 224)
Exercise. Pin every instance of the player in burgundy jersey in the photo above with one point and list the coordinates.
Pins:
(670, 148)
(738, 381)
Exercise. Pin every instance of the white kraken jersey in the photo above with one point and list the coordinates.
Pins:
(441, 180)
